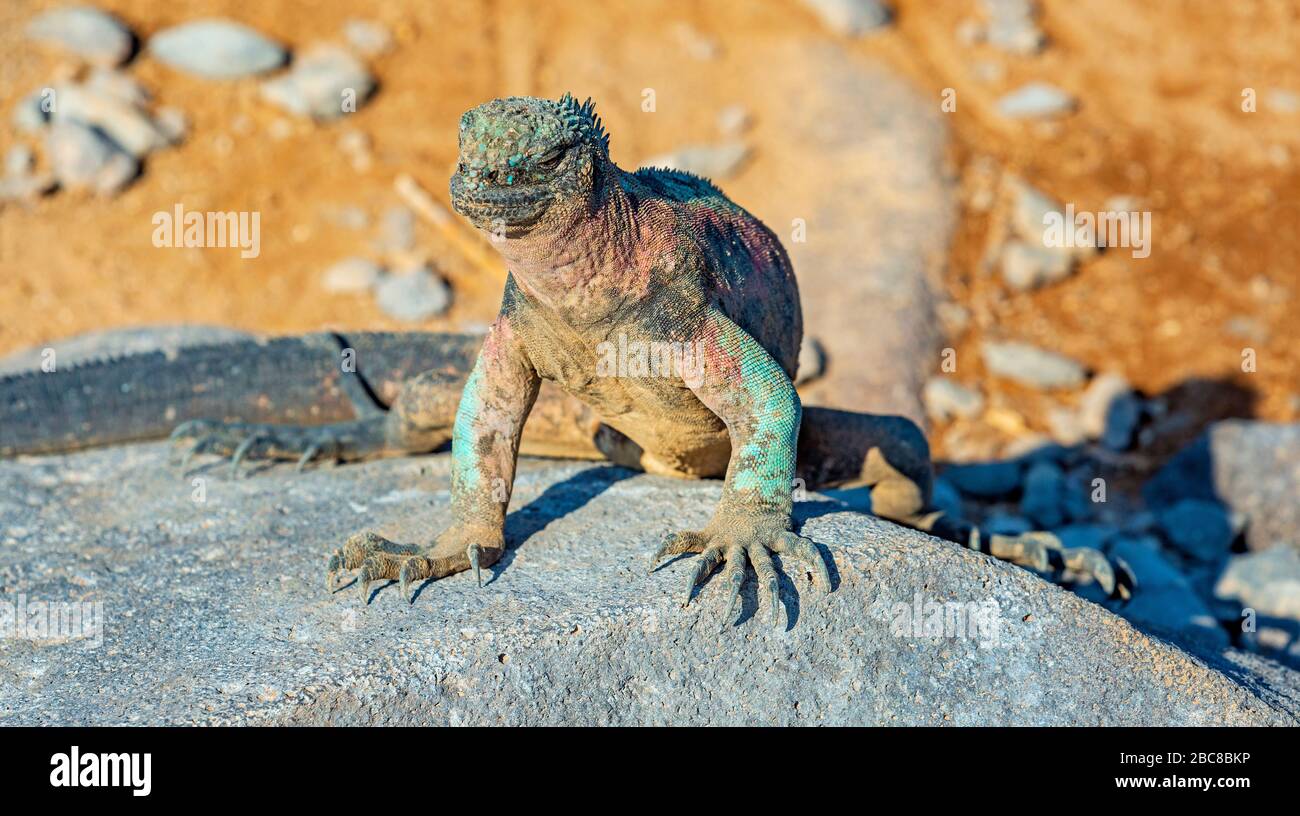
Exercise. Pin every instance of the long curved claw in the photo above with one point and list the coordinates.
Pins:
(709, 560)
(806, 551)
(472, 552)
(1125, 581)
(677, 543)
(333, 568)
(406, 577)
(242, 451)
(766, 572)
(196, 448)
(734, 575)
(312, 451)
(1088, 561)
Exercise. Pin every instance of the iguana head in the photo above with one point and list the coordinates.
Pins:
(526, 161)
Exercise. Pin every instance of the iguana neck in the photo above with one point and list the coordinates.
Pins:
(586, 265)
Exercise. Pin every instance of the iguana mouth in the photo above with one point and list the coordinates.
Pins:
(486, 205)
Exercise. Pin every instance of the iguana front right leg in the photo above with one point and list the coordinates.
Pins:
(495, 402)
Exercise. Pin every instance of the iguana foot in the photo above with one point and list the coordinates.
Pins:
(242, 440)
(1082, 565)
(735, 545)
(378, 559)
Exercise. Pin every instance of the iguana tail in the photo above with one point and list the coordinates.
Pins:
(306, 380)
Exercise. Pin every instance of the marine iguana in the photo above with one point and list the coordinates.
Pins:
(600, 260)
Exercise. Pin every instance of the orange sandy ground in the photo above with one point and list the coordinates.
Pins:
(1160, 118)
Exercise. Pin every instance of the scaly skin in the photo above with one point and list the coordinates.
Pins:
(604, 259)
(606, 264)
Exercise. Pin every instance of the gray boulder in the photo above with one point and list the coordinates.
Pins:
(214, 611)
(1200, 529)
(1253, 468)
(1268, 582)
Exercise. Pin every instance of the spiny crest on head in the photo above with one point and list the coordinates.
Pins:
(582, 120)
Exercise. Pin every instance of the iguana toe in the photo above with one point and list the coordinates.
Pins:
(243, 441)
(734, 547)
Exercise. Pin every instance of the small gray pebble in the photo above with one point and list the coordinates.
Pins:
(216, 49)
(95, 36)
(413, 296)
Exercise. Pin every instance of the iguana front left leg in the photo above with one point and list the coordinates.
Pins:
(750, 392)
(494, 405)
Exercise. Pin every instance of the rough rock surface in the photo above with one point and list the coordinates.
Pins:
(215, 612)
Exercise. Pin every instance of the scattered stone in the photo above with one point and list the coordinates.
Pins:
(954, 317)
(1037, 100)
(1246, 328)
(172, 123)
(851, 18)
(1267, 582)
(1096, 536)
(1065, 426)
(1109, 411)
(119, 85)
(987, 480)
(1034, 447)
(368, 37)
(1031, 366)
(26, 187)
(31, 114)
(324, 83)
(969, 32)
(1012, 28)
(1097, 398)
(82, 157)
(945, 398)
(1029, 210)
(1005, 524)
(988, 71)
(710, 161)
(95, 36)
(1197, 528)
(1283, 101)
(18, 161)
(414, 295)
(130, 128)
(396, 231)
(355, 144)
(1026, 267)
(1164, 601)
(1049, 499)
(944, 496)
(352, 275)
(350, 217)
(1122, 422)
(1251, 467)
(812, 360)
(734, 120)
(696, 43)
(216, 49)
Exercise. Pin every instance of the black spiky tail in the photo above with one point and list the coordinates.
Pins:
(303, 380)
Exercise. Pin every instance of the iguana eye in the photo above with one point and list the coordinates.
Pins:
(551, 159)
